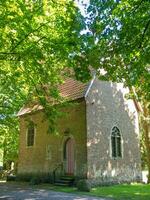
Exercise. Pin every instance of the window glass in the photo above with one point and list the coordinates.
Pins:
(116, 143)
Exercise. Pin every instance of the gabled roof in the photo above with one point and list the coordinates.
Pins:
(71, 90)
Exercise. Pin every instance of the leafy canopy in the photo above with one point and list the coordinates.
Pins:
(41, 42)
(117, 41)
(37, 42)
(37, 39)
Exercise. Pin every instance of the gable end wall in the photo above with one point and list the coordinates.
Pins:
(106, 107)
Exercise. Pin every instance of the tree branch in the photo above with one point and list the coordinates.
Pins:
(144, 32)
(27, 35)
(137, 7)
(8, 53)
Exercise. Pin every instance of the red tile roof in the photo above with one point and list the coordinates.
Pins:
(71, 90)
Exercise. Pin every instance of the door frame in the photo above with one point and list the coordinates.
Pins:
(66, 139)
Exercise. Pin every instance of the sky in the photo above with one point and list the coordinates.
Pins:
(81, 4)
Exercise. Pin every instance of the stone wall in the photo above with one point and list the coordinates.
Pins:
(106, 107)
(47, 151)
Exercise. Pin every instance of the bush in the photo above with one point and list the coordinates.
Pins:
(11, 178)
(4, 174)
(35, 178)
(84, 185)
(46, 178)
(1, 175)
(25, 177)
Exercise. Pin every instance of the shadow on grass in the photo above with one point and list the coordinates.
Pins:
(118, 192)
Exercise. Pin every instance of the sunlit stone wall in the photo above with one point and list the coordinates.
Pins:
(106, 107)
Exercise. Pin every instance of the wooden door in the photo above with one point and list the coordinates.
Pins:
(70, 157)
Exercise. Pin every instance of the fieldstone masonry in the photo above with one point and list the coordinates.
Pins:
(47, 152)
(106, 107)
(89, 122)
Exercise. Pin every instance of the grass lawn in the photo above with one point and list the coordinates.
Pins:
(124, 192)
(117, 192)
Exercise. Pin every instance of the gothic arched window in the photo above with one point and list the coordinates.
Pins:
(116, 143)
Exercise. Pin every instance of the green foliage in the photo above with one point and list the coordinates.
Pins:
(143, 151)
(117, 45)
(83, 185)
(117, 41)
(133, 191)
(9, 142)
(35, 178)
(117, 192)
(35, 181)
(24, 177)
(11, 178)
(37, 41)
(41, 43)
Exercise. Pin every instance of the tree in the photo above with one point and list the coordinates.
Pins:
(117, 45)
(9, 145)
(37, 40)
(41, 42)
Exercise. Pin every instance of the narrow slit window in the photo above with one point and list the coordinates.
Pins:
(116, 143)
(30, 134)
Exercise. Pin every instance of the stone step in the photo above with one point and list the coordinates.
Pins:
(65, 181)
(61, 184)
(70, 178)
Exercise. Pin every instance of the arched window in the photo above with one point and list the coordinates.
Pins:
(30, 134)
(116, 143)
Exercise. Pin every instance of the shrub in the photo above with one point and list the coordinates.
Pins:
(84, 185)
(6, 174)
(2, 175)
(25, 177)
(35, 180)
(35, 177)
(11, 178)
(47, 178)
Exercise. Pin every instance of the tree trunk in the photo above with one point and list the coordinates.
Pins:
(6, 162)
(146, 132)
(4, 154)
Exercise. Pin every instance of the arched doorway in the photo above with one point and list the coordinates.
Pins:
(69, 156)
